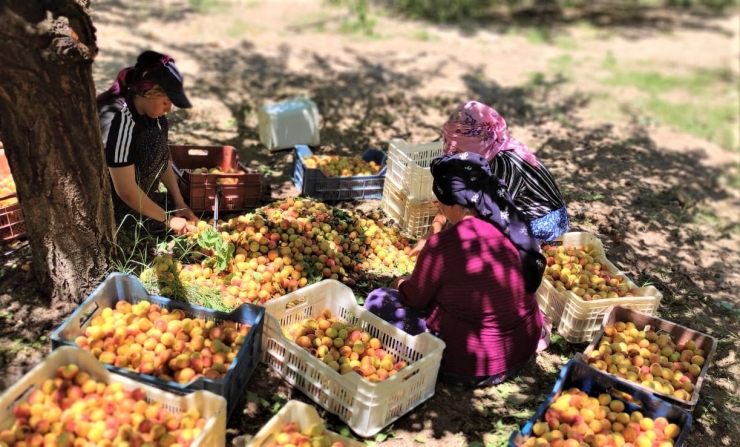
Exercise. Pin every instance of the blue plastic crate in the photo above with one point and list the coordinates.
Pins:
(119, 286)
(314, 183)
(578, 374)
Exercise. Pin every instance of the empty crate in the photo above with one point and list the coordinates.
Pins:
(288, 123)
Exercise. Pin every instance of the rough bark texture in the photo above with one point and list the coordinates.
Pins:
(49, 127)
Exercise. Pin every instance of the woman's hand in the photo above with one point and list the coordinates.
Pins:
(186, 213)
(438, 224)
(397, 282)
(419, 245)
(179, 225)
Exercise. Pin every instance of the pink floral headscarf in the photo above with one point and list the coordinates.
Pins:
(476, 127)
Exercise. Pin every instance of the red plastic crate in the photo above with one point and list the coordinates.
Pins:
(12, 224)
(201, 190)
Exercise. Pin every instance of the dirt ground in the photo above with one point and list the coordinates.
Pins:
(661, 200)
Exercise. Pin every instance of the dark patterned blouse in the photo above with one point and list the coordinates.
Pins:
(134, 139)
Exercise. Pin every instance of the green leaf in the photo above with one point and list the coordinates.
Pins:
(276, 407)
(380, 437)
(420, 439)
(526, 414)
(210, 238)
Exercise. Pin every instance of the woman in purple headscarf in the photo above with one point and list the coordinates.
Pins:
(476, 127)
(135, 135)
(473, 285)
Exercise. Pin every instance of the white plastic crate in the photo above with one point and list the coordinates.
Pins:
(365, 406)
(578, 320)
(408, 167)
(210, 406)
(413, 216)
(288, 123)
(305, 416)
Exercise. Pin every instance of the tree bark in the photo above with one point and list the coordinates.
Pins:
(51, 133)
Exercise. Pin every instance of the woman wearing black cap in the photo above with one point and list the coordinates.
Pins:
(135, 134)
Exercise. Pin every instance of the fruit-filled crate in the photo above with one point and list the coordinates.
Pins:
(413, 216)
(313, 182)
(233, 187)
(578, 319)
(622, 400)
(689, 354)
(230, 383)
(367, 407)
(35, 385)
(409, 167)
(297, 416)
(12, 224)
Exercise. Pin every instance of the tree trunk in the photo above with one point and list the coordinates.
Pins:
(51, 133)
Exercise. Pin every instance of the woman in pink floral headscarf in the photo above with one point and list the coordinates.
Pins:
(476, 127)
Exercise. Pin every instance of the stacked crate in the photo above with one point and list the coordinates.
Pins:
(407, 194)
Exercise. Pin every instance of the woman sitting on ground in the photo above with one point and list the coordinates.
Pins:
(476, 127)
(474, 282)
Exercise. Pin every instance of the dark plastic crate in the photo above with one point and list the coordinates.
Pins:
(314, 183)
(119, 286)
(200, 191)
(679, 334)
(578, 374)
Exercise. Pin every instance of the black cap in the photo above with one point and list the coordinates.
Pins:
(169, 78)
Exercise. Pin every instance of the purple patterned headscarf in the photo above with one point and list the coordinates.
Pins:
(465, 179)
(476, 127)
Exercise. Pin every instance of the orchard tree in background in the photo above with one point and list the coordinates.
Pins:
(50, 130)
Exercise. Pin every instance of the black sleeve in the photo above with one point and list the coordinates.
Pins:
(533, 188)
(117, 126)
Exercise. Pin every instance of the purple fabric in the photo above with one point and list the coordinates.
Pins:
(465, 179)
(476, 127)
(386, 304)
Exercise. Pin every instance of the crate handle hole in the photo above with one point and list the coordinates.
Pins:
(198, 152)
(88, 314)
(627, 398)
(21, 397)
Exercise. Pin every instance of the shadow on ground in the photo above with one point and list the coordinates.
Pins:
(640, 199)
